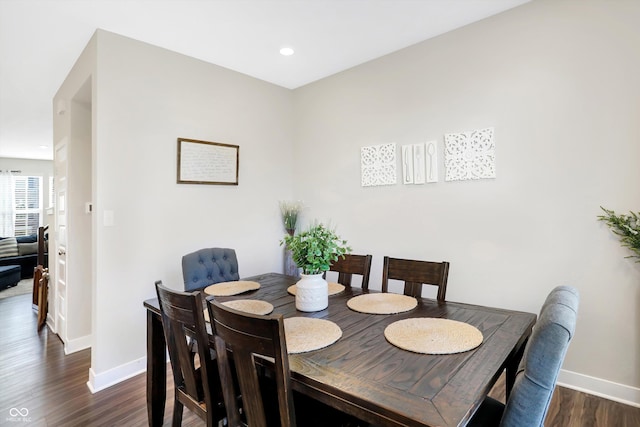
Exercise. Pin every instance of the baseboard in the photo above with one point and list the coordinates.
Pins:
(51, 324)
(115, 375)
(598, 387)
(77, 344)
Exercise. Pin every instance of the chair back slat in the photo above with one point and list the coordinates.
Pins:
(415, 274)
(250, 387)
(352, 264)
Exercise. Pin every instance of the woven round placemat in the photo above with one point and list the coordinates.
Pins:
(334, 288)
(306, 334)
(253, 306)
(225, 289)
(433, 336)
(384, 303)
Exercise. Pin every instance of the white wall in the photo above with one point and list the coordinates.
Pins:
(29, 167)
(559, 82)
(147, 98)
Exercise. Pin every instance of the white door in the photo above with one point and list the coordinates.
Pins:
(60, 255)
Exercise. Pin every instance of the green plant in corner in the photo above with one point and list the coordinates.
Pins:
(314, 249)
(627, 227)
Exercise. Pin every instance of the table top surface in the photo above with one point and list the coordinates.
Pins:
(364, 371)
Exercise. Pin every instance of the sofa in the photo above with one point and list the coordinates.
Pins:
(22, 251)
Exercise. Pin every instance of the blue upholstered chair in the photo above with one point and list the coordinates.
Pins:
(538, 371)
(208, 266)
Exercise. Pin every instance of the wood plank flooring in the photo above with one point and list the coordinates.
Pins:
(35, 374)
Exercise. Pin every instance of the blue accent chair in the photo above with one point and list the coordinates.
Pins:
(538, 371)
(208, 266)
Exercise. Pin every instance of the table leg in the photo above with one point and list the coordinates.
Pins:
(512, 369)
(156, 369)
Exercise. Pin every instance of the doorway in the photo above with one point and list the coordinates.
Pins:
(74, 226)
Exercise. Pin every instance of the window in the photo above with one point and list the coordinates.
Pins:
(27, 214)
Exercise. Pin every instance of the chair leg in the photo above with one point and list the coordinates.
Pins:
(43, 300)
(177, 413)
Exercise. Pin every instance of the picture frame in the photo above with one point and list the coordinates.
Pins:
(204, 162)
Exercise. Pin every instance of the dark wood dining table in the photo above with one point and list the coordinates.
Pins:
(366, 376)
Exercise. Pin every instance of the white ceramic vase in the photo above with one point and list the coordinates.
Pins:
(312, 293)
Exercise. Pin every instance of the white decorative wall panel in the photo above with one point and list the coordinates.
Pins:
(378, 164)
(418, 164)
(407, 164)
(470, 155)
(432, 161)
(413, 164)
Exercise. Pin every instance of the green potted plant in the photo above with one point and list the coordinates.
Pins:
(313, 251)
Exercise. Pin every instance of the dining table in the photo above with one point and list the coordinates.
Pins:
(362, 373)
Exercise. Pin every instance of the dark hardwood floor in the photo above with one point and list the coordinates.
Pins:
(36, 375)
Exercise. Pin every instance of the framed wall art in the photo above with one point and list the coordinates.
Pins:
(202, 162)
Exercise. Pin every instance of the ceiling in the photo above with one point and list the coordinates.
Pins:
(41, 39)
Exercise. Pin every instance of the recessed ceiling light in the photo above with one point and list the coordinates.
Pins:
(286, 51)
(44, 146)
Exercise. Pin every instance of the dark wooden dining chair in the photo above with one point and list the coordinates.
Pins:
(196, 387)
(352, 264)
(42, 262)
(415, 274)
(267, 396)
(41, 276)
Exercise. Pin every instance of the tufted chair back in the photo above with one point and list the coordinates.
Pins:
(538, 372)
(208, 266)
